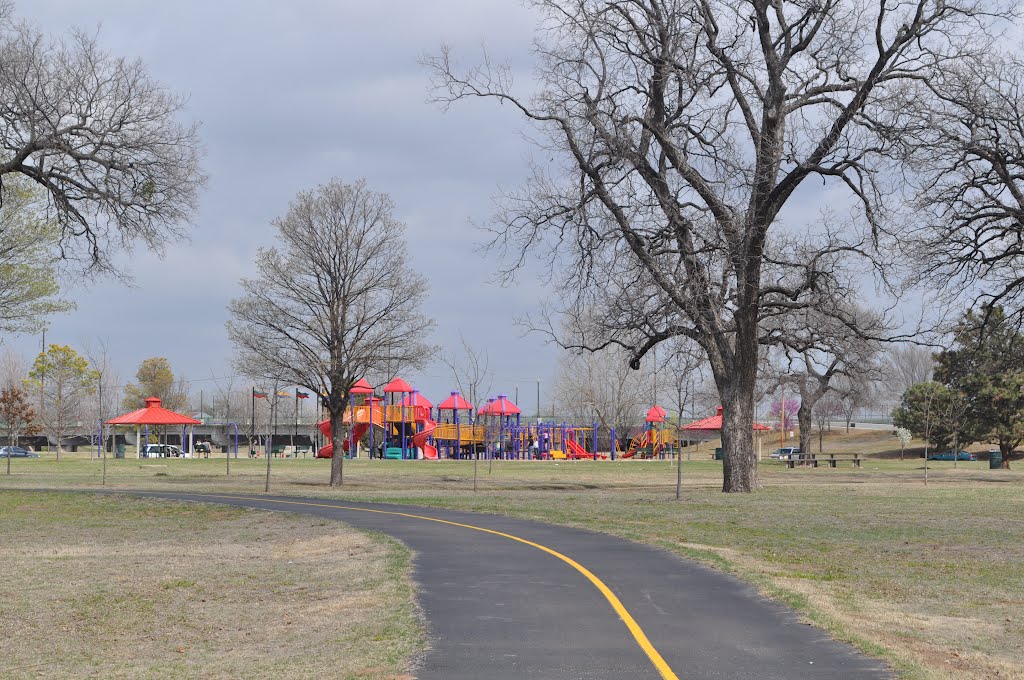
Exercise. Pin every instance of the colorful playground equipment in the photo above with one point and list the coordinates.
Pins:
(654, 439)
(403, 429)
(403, 424)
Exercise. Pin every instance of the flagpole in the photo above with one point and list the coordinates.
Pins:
(252, 421)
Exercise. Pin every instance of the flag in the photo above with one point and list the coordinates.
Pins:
(259, 395)
(283, 394)
(302, 395)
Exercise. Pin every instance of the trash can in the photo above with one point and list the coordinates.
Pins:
(995, 460)
(718, 453)
(119, 451)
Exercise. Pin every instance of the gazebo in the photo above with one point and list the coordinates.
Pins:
(155, 414)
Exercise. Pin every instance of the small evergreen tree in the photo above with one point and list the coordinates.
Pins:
(986, 365)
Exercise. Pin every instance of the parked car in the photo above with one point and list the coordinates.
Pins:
(162, 451)
(785, 453)
(953, 455)
(16, 452)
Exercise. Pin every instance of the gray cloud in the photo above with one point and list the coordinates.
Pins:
(290, 95)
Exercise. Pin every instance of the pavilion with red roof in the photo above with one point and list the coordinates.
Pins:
(710, 428)
(155, 414)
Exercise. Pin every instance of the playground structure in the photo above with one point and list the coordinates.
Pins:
(653, 440)
(404, 425)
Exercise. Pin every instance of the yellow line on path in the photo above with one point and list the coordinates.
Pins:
(613, 600)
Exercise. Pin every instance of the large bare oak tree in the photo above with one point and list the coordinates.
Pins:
(335, 300)
(679, 130)
(99, 139)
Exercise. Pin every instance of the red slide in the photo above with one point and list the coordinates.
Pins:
(357, 433)
(639, 441)
(576, 451)
(419, 439)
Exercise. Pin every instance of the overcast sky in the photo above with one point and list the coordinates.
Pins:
(290, 95)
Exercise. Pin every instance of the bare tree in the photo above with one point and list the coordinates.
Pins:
(680, 129)
(108, 386)
(855, 391)
(470, 371)
(685, 376)
(99, 136)
(602, 387)
(824, 411)
(970, 165)
(13, 369)
(334, 300)
(820, 351)
(906, 366)
(230, 404)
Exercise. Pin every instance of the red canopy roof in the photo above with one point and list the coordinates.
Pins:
(715, 423)
(420, 400)
(153, 414)
(656, 414)
(455, 402)
(398, 385)
(361, 387)
(499, 407)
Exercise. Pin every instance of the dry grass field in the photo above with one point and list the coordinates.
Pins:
(116, 587)
(928, 577)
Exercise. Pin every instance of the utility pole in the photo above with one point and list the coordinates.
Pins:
(42, 399)
(252, 421)
(538, 400)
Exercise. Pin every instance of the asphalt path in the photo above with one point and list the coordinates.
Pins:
(507, 599)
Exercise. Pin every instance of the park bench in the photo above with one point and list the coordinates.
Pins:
(816, 459)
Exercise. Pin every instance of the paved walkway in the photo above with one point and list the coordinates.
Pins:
(505, 609)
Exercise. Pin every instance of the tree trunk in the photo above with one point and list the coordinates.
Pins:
(336, 410)
(739, 474)
(803, 419)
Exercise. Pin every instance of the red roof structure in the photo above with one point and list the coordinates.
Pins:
(499, 407)
(714, 423)
(153, 414)
(656, 414)
(455, 402)
(361, 387)
(418, 398)
(398, 385)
